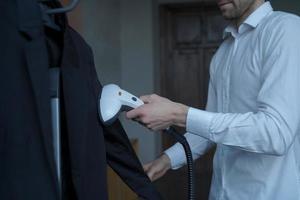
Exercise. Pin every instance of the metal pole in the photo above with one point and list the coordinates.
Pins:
(56, 126)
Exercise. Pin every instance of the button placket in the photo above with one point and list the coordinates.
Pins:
(226, 74)
(226, 96)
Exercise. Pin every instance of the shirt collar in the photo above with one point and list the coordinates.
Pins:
(251, 22)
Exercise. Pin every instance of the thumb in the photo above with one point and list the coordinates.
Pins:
(151, 173)
(147, 166)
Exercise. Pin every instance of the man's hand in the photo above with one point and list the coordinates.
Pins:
(157, 168)
(159, 113)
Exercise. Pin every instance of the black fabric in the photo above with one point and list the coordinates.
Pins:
(27, 169)
(54, 43)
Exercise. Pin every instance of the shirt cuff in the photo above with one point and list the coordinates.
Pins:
(175, 153)
(198, 122)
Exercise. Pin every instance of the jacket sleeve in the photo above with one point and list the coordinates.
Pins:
(122, 158)
(120, 154)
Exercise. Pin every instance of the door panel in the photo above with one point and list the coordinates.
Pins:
(190, 35)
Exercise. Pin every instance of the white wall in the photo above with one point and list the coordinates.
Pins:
(101, 29)
(121, 35)
(137, 65)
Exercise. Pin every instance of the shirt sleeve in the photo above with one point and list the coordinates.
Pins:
(273, 127)
(199, 145)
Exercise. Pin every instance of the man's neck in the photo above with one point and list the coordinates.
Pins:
(255, 5)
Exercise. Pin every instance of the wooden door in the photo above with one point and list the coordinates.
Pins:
(190, 35)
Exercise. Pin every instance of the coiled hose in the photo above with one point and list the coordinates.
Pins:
(189, 158)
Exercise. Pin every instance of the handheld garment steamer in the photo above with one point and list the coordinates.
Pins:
(113, 100)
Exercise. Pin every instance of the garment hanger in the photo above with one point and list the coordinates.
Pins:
(65, 9)
(48, 13)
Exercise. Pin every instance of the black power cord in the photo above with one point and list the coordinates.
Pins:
(189, 157)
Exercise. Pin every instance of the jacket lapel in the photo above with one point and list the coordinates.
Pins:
(76, 97)
(30, 24)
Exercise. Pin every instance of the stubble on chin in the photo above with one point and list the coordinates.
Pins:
(231, 14)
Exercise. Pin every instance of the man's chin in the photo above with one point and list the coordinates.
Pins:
(228, 15)
(230, 18)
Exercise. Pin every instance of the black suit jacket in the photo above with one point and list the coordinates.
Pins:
(27, 169)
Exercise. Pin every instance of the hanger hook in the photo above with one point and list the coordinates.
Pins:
(65, 9)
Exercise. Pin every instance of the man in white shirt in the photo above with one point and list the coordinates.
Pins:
(253, 108)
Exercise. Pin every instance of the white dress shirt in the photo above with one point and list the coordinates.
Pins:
(253, 111)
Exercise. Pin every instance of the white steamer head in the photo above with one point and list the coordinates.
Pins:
(114, 100)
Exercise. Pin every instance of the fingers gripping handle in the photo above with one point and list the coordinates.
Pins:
(129, 101)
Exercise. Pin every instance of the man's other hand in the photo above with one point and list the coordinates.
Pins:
(158, 167)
